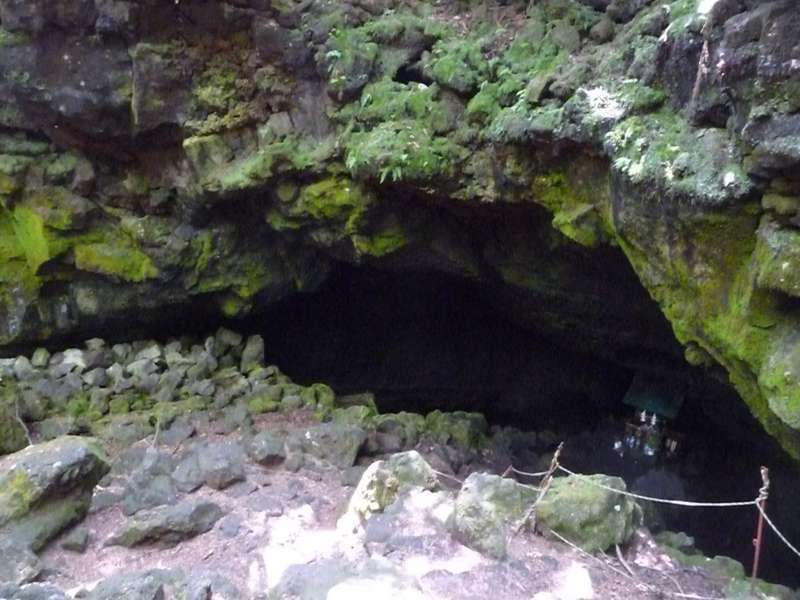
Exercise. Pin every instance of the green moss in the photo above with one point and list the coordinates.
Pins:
(13, 38)
(400, 151)
(78, 406)
(119, 405)
(578, 198)
(381, 243)
(17, 495)
(362, 416)
(232, 305)
(349, 57)
(459, 64)
(120, 261)
(258, 168)
(268, 400)
(61, 169)
(466, 430)
(30, 235)
(388, 100)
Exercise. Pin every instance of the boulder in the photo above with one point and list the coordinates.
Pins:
(459, 428)
(76, 540)
(488, 508)
(267, 448)
(47, 487)
(253, 354)
(167, 526)
(385, 480)
(18, 565)
(221, 464)
(334, 443)
(147, 585)
(31, 591)
(151, 483)
(12, 432)
(592, 517)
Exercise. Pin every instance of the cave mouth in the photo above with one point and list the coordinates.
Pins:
(421, 340)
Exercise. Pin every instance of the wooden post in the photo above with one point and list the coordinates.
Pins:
(762, 504)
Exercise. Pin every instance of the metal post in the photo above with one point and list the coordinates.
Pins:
(763, 494)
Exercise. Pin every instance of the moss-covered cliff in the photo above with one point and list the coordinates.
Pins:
(226, 154)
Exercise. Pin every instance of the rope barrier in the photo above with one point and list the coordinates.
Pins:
(446, 476)
(527, 474)
(777, 531)
(663, 500)
(556, 465)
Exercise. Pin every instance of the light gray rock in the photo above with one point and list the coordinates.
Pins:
(95, 344)
(121, 352)
(488, 508)
(152, 351)
(40, 358)
(18, 564)
(31, 591)
(384, 481)
(147, 585)
(228, 338)
(23, 369)
(142, 367)
(97, 377)
(334, 443)
(253, 354)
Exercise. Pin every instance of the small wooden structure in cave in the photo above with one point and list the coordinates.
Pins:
(656, 401)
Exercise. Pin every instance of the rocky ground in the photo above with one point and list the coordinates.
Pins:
(295, 493)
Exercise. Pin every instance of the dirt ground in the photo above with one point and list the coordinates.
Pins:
(276, 520)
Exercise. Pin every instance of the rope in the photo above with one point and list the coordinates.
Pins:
(663, 500)
(446, 476)
(777, 532)
(526, 474)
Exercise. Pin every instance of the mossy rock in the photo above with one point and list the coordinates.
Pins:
(46, 487)
(464, 429)
(12, 433)
(487, 509)
(385, 480)
(592, 517)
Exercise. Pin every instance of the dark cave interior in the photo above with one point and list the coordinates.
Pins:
(422, 341)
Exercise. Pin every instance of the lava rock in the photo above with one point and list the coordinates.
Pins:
(18, 564)
(384, 481)
(595, 518)
(221, 464)
(151, 483)
(12, 432)
(487, 508)
(267, 448)
(253, 354)
(47, 487)
(146, 585)
(31, 591)
(334, 443)
(76, 540)
(167, 526)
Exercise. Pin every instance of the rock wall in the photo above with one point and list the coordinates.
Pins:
(218, 156)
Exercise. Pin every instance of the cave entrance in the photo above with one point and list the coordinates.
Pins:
(420, 341)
